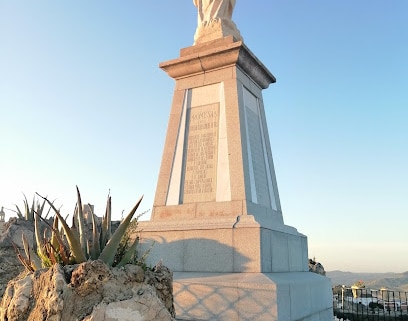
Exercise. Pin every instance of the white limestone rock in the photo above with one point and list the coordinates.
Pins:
(89, 291)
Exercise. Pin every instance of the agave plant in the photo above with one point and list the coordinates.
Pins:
(31, 261)
(72, 245)
(28, 213)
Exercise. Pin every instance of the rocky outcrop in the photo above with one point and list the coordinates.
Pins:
(90, 291)
(10, 266)
(316, 267)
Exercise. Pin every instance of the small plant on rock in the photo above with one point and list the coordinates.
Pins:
(72, 245)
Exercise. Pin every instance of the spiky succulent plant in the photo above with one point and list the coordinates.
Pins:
(72, 245)
(28, 214)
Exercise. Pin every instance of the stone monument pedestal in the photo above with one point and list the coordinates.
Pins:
(252, 296)
(216, 220)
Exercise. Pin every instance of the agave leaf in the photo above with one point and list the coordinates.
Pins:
(108, 253)
(88, 249)
(55, 231)
(57, 238)
(74, 228)
(44, 235)
(106, 223)
(40, 208)
(46, 262)
(26, 246)
(30, 216)
(109, 218)
(35, 260)
(38, 237)
(64, 254)
(56, 235)
(26, 208)
(32, 259)
(73, 241)
(48, 212)
(22, 259)
(10, 209)
(18, 212)
(52, 254)
(129, 253)
(49, 249)
(96, 249)
(82, 236)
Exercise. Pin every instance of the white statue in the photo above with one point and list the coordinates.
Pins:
(214, 20)
(209, 10)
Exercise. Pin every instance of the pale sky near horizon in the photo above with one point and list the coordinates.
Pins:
(83, 102)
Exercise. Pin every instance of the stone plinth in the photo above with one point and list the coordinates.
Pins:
(252, 296)
(217, 160)
(217, 207)
(220, 245)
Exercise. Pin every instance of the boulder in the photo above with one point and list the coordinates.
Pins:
(90, 291)
(316, 267)
(10, 266)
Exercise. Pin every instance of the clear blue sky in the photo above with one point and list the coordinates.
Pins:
(83, 102)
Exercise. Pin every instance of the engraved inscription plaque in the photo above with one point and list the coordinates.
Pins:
(200, 176)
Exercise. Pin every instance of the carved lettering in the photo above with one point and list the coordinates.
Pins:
(201, 160)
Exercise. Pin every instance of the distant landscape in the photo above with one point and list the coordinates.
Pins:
(390, 281)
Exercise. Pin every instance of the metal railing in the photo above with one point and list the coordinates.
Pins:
(372, 305)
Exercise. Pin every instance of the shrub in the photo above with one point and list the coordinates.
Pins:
(72, 245)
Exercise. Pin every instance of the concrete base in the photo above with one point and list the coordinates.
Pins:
(294, 296)
(243, 273)
(224, 245)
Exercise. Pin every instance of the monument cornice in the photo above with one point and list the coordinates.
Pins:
(218, 54)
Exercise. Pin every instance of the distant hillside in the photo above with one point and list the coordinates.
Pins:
(391, 281)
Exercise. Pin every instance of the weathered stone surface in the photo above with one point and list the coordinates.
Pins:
(10, 266)
(13, 230)
(145, 305)
(316, 267)
(162, 280)
(89, 291)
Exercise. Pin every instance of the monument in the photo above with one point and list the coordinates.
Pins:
(217, 221)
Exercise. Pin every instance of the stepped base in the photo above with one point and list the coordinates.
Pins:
(292, 296)
(223, 245)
